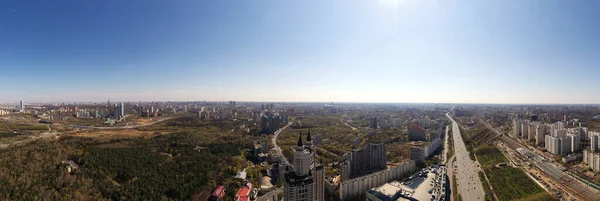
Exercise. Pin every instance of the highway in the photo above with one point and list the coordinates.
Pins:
(467, 177)
(578, 189)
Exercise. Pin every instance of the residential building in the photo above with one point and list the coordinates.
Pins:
(416, 133)
(270, 122)
(373, 123)
(540, 132)
(594, 142)
(359, 186)
(559, 142)
(417, 154)
(363, 161)
(218, 194)
(592, 159)
(383, 124)
(305, 181)
(244, 193)
(396, 122)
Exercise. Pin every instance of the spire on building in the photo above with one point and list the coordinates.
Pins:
(308, 138)
(300, 139)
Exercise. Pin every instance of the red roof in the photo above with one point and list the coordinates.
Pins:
(244, 191)
(243, 198)
(242, 194)
(219, 192)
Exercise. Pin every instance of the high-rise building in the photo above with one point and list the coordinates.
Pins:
(363, 161)
(532, 131)
(21, 107)
(121, 110)
(383, 124)
(416, 133)
(373, 122)
(305, 181)
(540, 132)
(594, 143)
(270, 123)
(524, 130)
(559, 142)
(396, 122)
(517, 127)
(592, 159)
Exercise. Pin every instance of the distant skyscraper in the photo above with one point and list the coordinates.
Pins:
(21, 108)
(121, 110)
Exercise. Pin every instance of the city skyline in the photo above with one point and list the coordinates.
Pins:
(536, 52)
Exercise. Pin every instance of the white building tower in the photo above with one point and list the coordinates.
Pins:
(306, 182)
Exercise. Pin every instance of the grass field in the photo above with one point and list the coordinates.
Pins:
(28, 127)
(7, 134)
(489, 156)
(512, 183)
(486, 187)
(450, 145)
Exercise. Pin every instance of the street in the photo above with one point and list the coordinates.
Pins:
(274, 140)
(467, 177)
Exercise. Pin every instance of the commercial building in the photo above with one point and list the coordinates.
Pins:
(21, 107)
(363, 161)
(388, 192)
(429, 184)
(304, 182)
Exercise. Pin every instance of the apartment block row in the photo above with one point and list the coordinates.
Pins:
(556, 138)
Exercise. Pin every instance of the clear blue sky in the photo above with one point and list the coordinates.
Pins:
(540, 51)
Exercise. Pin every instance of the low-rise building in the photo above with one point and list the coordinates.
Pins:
(218, 194)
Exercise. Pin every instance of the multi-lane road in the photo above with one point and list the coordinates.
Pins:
(467, 177)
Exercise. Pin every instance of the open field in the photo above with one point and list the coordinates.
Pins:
(489, 156)
(7, 134)
(124, 133)
(486, 187)
(511, 183)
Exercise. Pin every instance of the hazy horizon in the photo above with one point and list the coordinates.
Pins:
(390, 51)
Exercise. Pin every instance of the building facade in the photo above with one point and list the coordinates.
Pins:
(416, 133)
(363, 161)
(592, 159)
(305, 180)
(359, 186)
